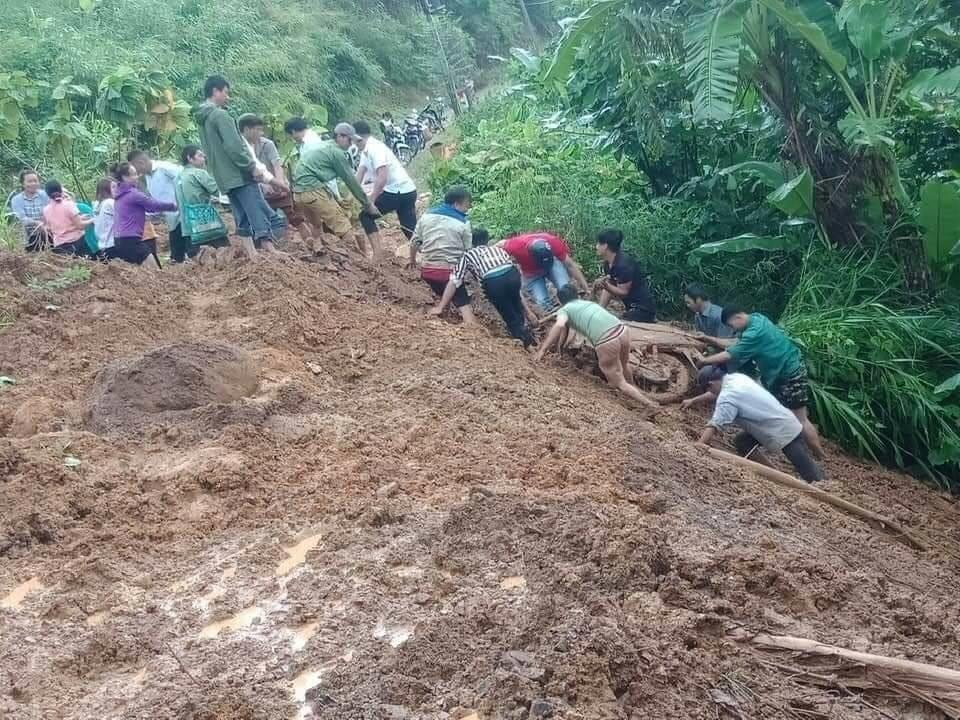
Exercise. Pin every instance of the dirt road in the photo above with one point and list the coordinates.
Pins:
(280, 491)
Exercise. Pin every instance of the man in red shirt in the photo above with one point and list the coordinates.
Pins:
(542, 255)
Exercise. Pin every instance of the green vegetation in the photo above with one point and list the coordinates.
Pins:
(82, 81)
(797, 156)
(527, 175)
(73, 275)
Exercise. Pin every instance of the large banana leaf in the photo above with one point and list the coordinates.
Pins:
(743, 243)
(797, 23)
(770, 174)
(577, 31)
(932, 81)
(869, 25)
(713, 42)
(794, 197)
(940, 217)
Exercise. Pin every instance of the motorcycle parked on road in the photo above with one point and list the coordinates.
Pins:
(433, 114)
(414, 134)
(394, 138)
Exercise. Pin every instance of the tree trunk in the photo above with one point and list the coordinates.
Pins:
(841, 176)
(906, 241)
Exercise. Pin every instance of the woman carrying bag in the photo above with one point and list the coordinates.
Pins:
(203, 229)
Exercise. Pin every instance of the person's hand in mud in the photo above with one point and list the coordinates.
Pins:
(435, 311)
(701, 399)
(372, 210)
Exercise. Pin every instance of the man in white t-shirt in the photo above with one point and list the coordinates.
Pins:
(392, 189)
(744, 402)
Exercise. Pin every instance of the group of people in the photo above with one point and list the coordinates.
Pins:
(323, 193)
(772, 412)
(331, 192)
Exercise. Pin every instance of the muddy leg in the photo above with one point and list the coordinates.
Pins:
(608, 355)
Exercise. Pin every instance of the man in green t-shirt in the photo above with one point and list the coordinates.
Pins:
(604, 331)
(778, 359)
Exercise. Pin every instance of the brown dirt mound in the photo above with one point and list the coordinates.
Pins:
(405, 519)
(159, 387)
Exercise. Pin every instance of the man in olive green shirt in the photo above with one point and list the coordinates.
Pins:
(781, 366)
(319, 164)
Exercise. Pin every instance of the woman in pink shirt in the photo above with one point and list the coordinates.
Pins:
(64, 221)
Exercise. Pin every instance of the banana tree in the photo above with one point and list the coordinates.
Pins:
(863, 47)
(793, 52)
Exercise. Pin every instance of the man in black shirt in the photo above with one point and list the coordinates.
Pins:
(625, 279)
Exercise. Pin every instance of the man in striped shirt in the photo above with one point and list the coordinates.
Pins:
(500, 280)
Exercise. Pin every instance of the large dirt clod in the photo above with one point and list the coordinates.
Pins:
(125, 397)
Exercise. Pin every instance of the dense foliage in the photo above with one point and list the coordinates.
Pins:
(843, 109)
(526, 175)
(884, 366)
(82, 80)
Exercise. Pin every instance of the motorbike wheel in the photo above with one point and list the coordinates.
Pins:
(404, 155)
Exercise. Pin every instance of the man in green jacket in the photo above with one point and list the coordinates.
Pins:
(233, 165)
(319, 164)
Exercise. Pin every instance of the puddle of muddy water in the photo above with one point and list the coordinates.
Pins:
(297, 554)
(15, 598)
(411, 572)
(396, 635)
(214, 594)
(514, 582)
(242, 619)
(302, 635)
(304, 682)
(97, 618)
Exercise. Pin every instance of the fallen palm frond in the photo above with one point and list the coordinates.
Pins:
(936, 686)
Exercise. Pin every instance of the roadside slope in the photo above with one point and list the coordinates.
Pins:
(296, 494)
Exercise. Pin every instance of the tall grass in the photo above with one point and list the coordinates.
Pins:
(876, 363)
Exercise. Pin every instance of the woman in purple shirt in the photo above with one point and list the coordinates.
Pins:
(130, 214)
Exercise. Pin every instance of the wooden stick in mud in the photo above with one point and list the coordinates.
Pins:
(936, 685)
(872, 518)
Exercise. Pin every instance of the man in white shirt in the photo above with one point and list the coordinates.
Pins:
(744, 402)
(160, 177)
(392, 189)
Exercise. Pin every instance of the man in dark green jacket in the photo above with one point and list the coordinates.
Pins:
(232, 163)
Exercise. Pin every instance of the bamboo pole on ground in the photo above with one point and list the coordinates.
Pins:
(872, 518)
(933, 684)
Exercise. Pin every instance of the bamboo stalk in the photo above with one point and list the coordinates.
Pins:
(872, 518)
(935, 685)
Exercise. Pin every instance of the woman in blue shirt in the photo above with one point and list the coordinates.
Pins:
(28, 205)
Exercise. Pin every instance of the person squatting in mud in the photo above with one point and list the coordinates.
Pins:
(624, 279)
(781, 366)
(766, 422)
(605, 332)
(441, 238)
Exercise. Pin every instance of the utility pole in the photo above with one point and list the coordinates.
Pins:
(530, 28)
(450, 79)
